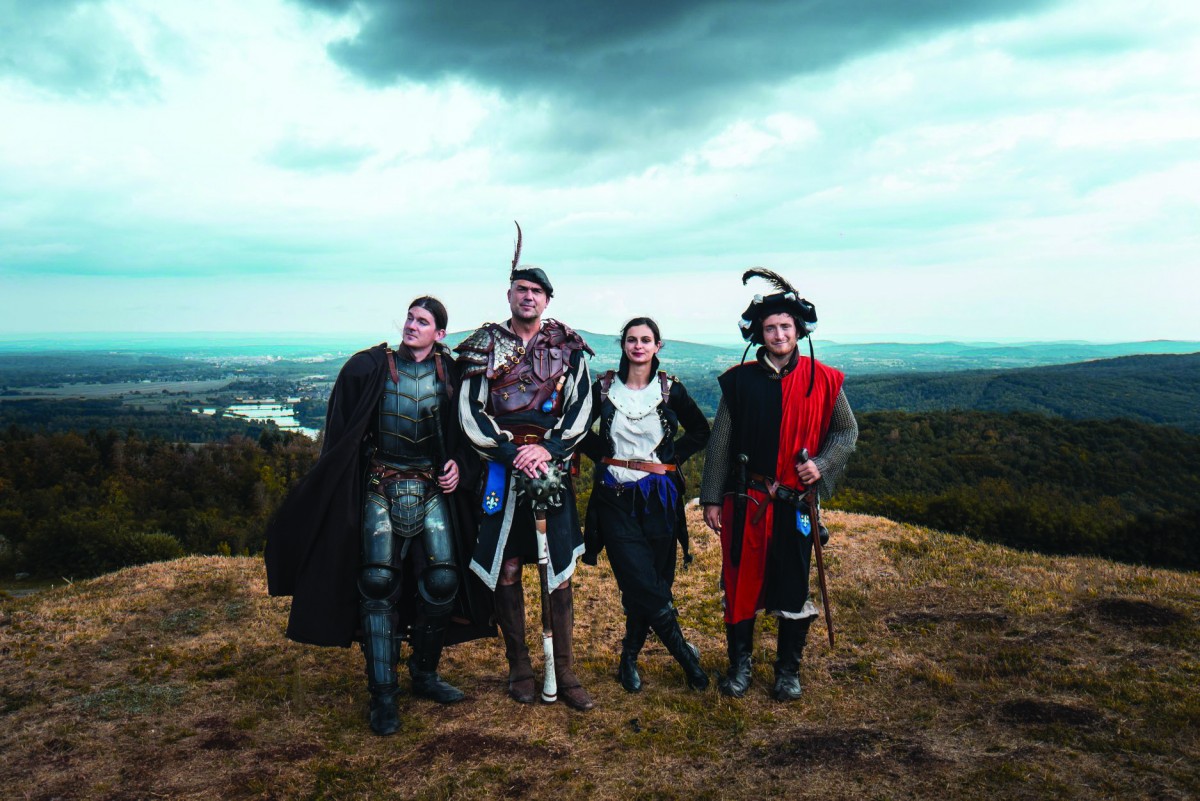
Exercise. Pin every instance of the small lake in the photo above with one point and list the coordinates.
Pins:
(268, 410)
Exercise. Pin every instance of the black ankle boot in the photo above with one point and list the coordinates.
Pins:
(427, 641)
(792, 634)
(636, 628)
(666, 625)
(739, 638)
(384, 718)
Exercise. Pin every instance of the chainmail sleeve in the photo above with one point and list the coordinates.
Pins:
(716, 458)
(838, 445)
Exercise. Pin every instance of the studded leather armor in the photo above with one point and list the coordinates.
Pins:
(521, 377)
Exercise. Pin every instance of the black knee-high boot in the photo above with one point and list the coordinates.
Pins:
(636, 628)
(427, 638)
(739, 639)
(666, 625)
(792, 634)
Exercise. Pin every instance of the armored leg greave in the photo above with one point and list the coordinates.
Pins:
(377, 584)
(739, 638)
(636, 629)
(562, 611)
(436, 588)
(792, 634)
(665, 623)
(510, 616)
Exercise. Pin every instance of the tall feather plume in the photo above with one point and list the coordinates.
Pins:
(517, 251)
(780, 283)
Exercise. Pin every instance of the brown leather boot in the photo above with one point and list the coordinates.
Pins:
(562, 616)
(510, 616)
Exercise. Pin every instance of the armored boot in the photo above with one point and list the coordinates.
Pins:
(427, 638)
(666, 625)
(510, 616)
(740, 641)
(379, 649)
(562, 617)
(636, 628)
(792, 634)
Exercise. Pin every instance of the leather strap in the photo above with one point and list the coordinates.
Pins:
(391, 359)
(645, 467)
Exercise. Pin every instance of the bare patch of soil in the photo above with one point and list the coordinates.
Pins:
(1030, 710)
(225, 740)
(1127, 611)
(823, 746)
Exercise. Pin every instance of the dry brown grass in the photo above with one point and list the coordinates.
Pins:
(962, 670)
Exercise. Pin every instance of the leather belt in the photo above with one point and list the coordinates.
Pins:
(386, 474)
(525, 434)
(646, 467)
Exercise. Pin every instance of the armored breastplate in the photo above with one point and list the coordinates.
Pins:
(406, 428)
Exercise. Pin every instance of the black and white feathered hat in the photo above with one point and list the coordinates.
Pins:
(535, 274)
(786, 300)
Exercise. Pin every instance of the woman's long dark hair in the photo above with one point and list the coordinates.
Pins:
(623, 367)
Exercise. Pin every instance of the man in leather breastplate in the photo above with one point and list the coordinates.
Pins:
(775, 411)
(366, 542)
(524, 406)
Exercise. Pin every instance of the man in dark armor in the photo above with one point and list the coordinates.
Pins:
(525, 405)
(391, 451)
(774, 411)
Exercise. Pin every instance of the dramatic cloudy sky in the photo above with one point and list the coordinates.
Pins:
(968, 169)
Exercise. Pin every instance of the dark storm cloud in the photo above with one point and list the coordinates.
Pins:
(70, 47)
(634, 56)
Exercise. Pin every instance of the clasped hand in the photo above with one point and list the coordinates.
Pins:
(532, 460)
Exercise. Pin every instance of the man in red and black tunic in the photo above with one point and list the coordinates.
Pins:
(772, 409)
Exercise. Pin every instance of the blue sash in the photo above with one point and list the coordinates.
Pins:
(495, 488)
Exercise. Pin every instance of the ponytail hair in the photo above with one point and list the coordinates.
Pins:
(435, 307)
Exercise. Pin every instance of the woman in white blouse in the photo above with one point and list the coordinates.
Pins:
(636, 506)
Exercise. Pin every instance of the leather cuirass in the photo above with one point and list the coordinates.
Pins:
(406, 427)
(525, 378)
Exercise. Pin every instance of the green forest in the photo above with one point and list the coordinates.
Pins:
(76, 505)
(1113, 488)
(1149, 389)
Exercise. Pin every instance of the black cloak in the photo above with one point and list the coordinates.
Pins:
(313, 541)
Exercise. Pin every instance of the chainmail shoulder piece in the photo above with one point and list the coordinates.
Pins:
(716, 458)
(839, 444)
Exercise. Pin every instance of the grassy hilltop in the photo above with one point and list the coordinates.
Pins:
(961, 670)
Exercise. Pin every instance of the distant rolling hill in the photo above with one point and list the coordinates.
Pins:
(1153, 389)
